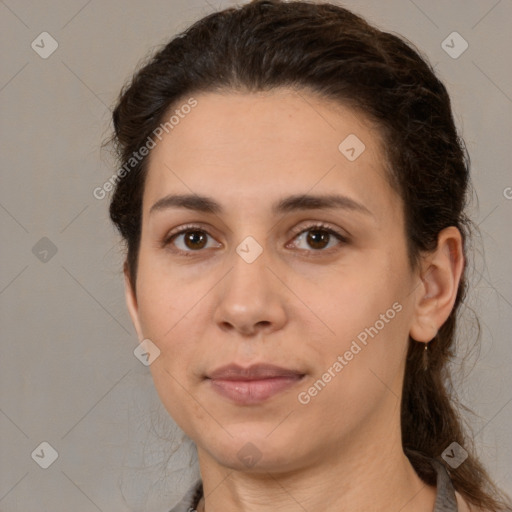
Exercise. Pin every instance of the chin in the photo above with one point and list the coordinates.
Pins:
(258, 450)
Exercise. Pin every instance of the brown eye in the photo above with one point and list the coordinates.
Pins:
(318, 238)
(195, 239)
(189, 240)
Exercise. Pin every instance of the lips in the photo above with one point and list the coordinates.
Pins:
(254, 372)
(252, 385)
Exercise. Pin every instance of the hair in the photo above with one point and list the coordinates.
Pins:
(327, 50)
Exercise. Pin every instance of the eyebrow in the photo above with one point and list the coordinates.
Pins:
(289, 204)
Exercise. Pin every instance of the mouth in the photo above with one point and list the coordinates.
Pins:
(252, 385)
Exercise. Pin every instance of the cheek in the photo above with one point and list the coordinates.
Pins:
(174, 394)
(164, 299)
(354, 300)
(370, 340)
(167, 321)
(368, 320)
(360, 370)
(169, 306)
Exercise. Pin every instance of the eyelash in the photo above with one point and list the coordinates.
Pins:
(167, 241)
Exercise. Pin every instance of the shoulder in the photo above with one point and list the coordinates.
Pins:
(464, 506)
(190, 499)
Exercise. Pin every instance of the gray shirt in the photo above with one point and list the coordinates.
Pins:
(445, 498)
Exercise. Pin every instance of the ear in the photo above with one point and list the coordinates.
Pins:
(131, 302)
(440, 275)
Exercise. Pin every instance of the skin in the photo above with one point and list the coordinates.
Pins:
(295, 306)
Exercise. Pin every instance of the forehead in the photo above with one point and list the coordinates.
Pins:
(247, 148)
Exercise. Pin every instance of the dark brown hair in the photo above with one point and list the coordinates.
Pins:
(328, 50)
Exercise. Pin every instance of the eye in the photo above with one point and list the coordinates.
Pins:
(319, 237)
(189, 239)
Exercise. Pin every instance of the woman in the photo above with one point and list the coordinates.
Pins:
(292, 197)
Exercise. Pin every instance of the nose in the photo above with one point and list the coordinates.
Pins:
(251, 299)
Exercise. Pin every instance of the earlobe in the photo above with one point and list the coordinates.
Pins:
(131, 302)
(440, 278)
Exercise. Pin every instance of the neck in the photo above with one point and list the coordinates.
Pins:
(365, 469)
(373, 478)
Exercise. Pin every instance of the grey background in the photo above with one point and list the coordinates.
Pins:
(68, 374)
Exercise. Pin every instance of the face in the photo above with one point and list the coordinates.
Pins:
(290, 251)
